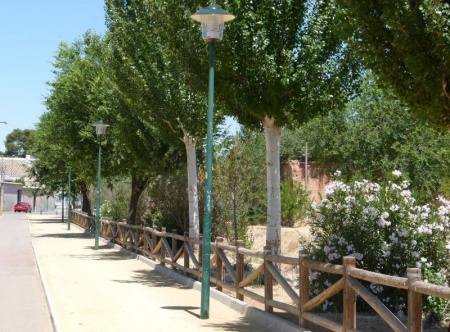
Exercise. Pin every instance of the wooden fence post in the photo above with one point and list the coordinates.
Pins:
(303, 286)
(349, 296)
(239, 269)
(414, 301)
(268, 282)
(186, 253)
(174, 246)
(163, 248)
(154, 239)
(219, 264)
(144, 239)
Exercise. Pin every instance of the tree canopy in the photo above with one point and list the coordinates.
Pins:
(406, 44)
(18, 143)
(376, 135)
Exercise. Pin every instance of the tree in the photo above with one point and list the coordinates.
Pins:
(279, 64)
(65, 135)
(147, 79)
(376, 135)
(239, 192)
(18, 143)
(406, 44)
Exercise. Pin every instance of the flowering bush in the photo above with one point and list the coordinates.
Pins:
(384, 230)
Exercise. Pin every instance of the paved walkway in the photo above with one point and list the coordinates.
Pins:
(108, 290)
(23, 306)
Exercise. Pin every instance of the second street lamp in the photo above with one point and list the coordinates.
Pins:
(69, 197)
(100, 128)
(212, 20)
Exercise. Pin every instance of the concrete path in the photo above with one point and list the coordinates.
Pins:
(108, 290)
(23, 306)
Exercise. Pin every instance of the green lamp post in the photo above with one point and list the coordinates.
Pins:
(212, 20)
(69, 197)
(100, 128)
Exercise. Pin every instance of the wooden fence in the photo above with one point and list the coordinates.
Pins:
(228, 272)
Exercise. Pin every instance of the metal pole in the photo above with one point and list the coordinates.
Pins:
(69, 198)
(204, 310)
(306, 167)
(62, 207)
(97, 204)
(233, 195)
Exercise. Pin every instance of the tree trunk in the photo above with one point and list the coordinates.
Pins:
(138, 185)
(86, 205)
(194, 224)
(272, 134)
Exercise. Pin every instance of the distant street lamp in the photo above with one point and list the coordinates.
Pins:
(212, 20)
(100, 128)
(69, 197)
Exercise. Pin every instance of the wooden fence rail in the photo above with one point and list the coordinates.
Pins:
(184, 254)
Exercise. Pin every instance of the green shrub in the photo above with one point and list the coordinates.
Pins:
(294, 203)
(385, 231)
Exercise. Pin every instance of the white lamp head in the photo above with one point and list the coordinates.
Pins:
(212, 19)
(100, 127)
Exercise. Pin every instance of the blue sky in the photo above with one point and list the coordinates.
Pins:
(30, 31)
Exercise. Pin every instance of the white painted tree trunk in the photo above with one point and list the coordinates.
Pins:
(194, 225)
(272, 134)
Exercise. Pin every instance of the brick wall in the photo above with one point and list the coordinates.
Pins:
(296, 170)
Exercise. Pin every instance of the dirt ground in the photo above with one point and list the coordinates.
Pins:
(290, 247)
(289, 238)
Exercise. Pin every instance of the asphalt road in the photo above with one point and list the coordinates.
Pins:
(23, 306)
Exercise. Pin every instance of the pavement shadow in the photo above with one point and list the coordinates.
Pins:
(111, 255)
(187, 309)
(47, 221)
(64, 236)
(152, 278)
(242, 325)
(56, 222)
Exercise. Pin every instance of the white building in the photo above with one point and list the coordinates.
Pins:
(16, 186)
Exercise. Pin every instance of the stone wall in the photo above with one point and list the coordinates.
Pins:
(296, 170)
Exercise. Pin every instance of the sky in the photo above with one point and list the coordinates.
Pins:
(30, 31)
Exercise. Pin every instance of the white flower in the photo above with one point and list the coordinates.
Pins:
(357, 255)
(381, 222)
(397, 174)
(396, 187)
(394, 208)
(337, 173)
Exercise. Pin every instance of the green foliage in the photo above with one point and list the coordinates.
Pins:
(278, 59)
(406, 44)
(239, 172)
(376, 134)
(165, 202)
(294, 203)
(116, 201)
(293, 145)
(18, 143)
(384, 229)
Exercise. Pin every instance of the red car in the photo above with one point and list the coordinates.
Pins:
(22, 207)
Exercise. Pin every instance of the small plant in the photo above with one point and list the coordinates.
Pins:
(382, 227)
(294, 203)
